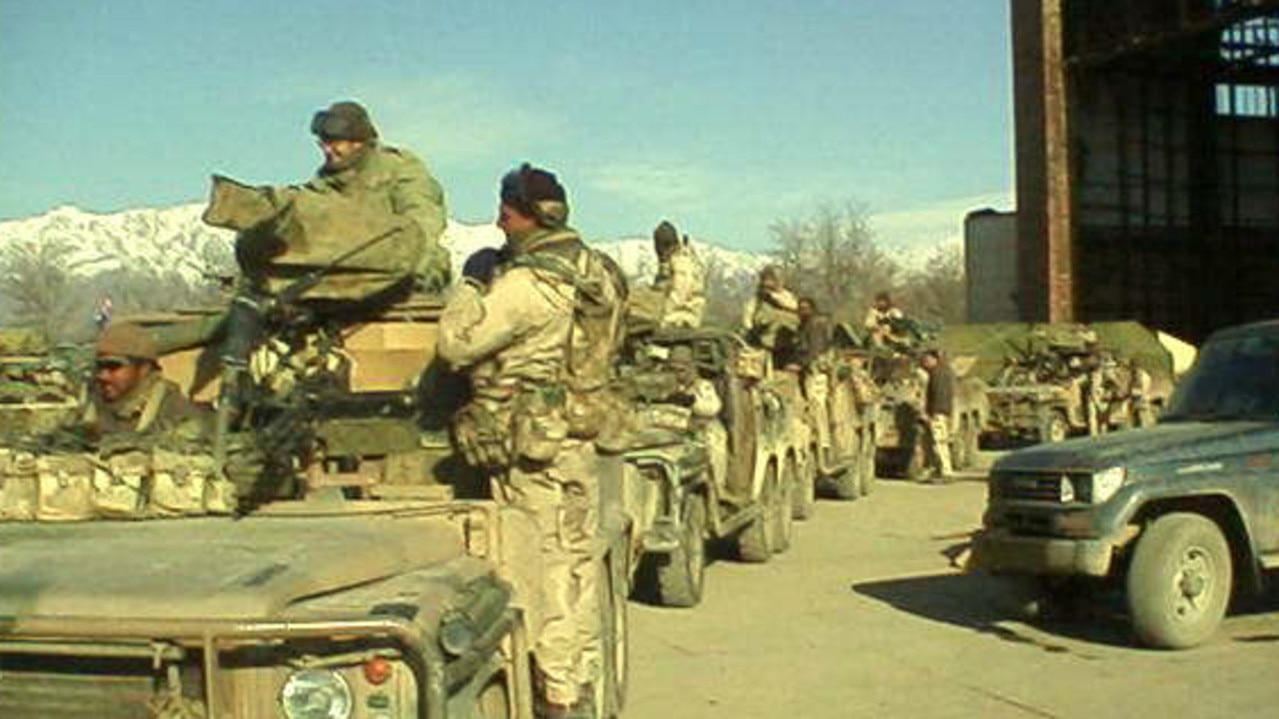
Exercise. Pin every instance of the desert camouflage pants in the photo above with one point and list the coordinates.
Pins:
(563, 498)
(939, 443)
(817, 390)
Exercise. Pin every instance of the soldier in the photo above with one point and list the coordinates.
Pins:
(813, 341)
(939, 404)
(680, 279)
(511, 336)
(358, 165)
(880, 318)
(130, 393)
(771, 318)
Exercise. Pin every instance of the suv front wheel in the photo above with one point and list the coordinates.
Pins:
(1179, 582)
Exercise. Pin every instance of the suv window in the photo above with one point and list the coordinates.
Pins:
(1234, 378)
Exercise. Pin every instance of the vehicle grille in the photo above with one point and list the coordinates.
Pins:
(48, 687)
(1032, 487)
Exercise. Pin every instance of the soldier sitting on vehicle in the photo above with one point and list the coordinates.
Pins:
(129, 391)
(882, 322)
(771, 318)
(364, 190)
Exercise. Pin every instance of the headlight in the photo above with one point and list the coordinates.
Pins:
(316, 694)
(1105, 483)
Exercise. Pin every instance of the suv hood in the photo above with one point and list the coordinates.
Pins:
(208, 568)
(1171, 442)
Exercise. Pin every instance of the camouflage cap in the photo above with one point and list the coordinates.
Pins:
(344, 120)
(126, 341)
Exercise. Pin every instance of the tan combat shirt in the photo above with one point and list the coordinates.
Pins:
(685, 283)
(517, 330)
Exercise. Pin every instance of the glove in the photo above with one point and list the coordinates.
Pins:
(482, 266)
(435, 274)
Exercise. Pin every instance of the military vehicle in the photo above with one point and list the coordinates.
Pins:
(756, 418)
(901, 435)
(365, 575)
(843, 453)
(1049, 382)
(1182, 516)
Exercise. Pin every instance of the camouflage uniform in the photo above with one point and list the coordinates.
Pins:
(878, 324)
(394, 181)
(513, 337)
(683, 280)
(154, 405)
(771, 316)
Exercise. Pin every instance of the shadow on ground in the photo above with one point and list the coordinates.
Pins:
(999, 607)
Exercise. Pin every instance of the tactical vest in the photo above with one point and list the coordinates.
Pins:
(594, 341)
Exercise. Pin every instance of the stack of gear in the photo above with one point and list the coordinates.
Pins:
(131, 484)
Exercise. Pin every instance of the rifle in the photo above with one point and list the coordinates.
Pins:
(246, 324)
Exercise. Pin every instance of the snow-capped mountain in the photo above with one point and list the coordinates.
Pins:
(167, 241)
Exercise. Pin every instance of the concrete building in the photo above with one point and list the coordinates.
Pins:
(990, 266)
(1147, 143)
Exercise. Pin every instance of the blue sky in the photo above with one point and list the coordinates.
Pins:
(722, 115)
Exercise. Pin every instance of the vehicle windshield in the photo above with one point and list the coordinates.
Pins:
(1234, 378)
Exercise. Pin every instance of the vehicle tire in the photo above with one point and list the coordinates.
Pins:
(681, 575)
(805, 492)
(755, 542)
(1179, 582)
(494, 702)
(1056, 428)
(783, 512)
(610, 695)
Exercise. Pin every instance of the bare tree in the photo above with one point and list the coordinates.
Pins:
(936, 291)
(36, 278)
(832, 256)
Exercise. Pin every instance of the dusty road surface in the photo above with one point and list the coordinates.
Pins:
(866, 617)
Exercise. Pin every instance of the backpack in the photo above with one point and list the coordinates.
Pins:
(595, 339)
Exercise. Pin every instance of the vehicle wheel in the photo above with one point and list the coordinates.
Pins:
(681, 575)
(1055, 429)
(783, 513)
(1179, 582)
(610, 695)
(755, 543)
(805, 493)
(493, 701)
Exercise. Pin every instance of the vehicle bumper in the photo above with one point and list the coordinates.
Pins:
(1001, 552)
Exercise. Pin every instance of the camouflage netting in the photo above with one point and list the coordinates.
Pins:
(989, 344)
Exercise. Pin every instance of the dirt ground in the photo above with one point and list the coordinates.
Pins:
(867, 616)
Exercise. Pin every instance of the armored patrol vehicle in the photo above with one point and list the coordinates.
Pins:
(354, 570)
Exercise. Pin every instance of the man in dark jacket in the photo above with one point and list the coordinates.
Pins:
(939, 404)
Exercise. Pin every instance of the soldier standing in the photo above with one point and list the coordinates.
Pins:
(939, 404)
(680, 279)
(512, 336)
(130, 393)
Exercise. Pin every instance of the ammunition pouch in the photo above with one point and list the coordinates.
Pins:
(135, 483)
(538, 424)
